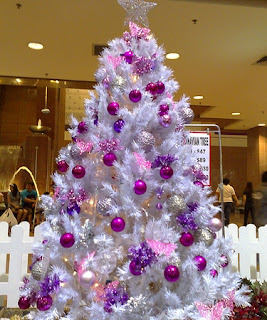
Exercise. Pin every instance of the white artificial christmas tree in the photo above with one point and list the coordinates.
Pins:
(130, 231)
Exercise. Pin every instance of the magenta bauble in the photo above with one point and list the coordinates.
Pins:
(62, 166)
(82, 127)
(187, 239)
(117, 224)
(152, 88)
(165, 120)
(24, 302)
(78, 172)
(159, 206)
(128, 55)
(140, 187)
(214, 273)
(160, 87)
(113, 108)
(200, 262)
(166, 172)
(109, 158)
(199, 183)
(225, 262)
(171, 273)
(135, 268)
(67, 240)
(44, 303)
(215, 224)
(135, 95)
(163, 109)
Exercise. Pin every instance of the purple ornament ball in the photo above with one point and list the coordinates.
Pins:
(82, 127)
(44, 303)
(78, 172)
(171, 273)
(214, 273)
(160, 87)
(163, 109)
(113, 108)
(187, 239)
(135, 268)
(67, 240)
(117, 224)
(135, 95)
(215, 224)
(199, 183)
(62, 166)
(200, 262)
(152, 88)
(118, 125)
(140, 187)
(165, 120)
(128, 55)
(166, 172)
(159, 206)
(24, 302)
(226, 262)
(109, 158)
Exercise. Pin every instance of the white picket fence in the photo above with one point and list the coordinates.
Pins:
(250, 258)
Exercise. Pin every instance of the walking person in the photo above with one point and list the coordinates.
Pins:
(248, 203)
(260, 202)
(228, 197)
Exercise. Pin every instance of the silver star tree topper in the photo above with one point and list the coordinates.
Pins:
(136, 10)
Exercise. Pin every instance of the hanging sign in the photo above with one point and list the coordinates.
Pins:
(200, 143)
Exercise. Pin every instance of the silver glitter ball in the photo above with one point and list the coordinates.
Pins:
(57, 228)
(176, 204)
(104, 205)
(86, 235)
(146, 141)
(187, 114)
(118, 83)
(204, 235)
(37, 269)
(75, 152)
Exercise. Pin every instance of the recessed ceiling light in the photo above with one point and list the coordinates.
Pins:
(18, 80)
(54, 81)
(172, 55)
(235, 113)
(261, 124)
(198, 97)
(35, 45)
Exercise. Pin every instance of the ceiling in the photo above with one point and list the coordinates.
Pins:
(218, 52)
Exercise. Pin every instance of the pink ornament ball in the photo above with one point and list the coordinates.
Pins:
(128, 55)
(165, 120)
(24, 302)
(215, 224)
(214, 273)
(171, 273)
(166, 172)
(200, 262)
(152, 88)
(163, 109)
(199, 183)
(135, 268)
(135, 95)
(82, 127)
(87, 278)
(140, 187)
(160, 87)
(44, 303)
(226, 262)
(67, 240)
(117, 224)
(113, 108)
(62, 166)
(109, 158)
(78, 172)
(187, 239)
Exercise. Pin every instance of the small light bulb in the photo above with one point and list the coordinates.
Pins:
(91, 201)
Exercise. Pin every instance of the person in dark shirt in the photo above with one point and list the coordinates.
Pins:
(29, 199)
(248, 203)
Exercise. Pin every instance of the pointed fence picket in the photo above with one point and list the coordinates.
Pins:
(249, 259)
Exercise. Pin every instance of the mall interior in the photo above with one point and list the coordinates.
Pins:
(222, 52)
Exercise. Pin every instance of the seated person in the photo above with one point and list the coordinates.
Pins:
(29, 199)
(2, 204)
(14, 203)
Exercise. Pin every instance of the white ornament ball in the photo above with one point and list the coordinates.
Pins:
(215, 224)
(87, 278)
(176, 204)
(146, 141)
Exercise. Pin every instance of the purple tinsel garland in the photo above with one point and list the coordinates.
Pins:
(161, 161)
(144, 65)
(114, 294)
(110, 145)
(143, 255)
(186, 220)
